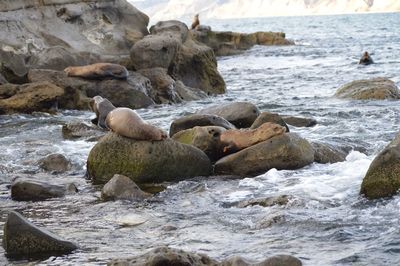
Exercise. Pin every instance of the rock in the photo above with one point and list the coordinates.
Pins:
(265, 117)
(167, 257)
(77, 130)
(28, 98)
(383, 176)
(230, 43)
(171, 27)
(145, 161)
(12, 65)
(241, 114)
(130, 93)
(369, 89)
(325, 153)
(299, 121)
(187, 93)
(191, 121)
(23, 239)
(25, 189)
(205, 138)
(287, 151)
(278, 260)
(163, 85)
(55, 163)
(122, 188)
(3, 80)
(265, 202)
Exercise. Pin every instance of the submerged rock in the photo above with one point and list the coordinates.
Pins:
(299, 121)
(383, 176)
(265, 117)
(241, 114)
(265, 202)
(284, 152)
(325, 153)
(369, 89)
(23, 239)
(122, 188)
(145, 161)
(57, 163)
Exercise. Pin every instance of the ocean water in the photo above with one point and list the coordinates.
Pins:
(326, 221)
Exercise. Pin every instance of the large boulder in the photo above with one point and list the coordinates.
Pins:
(23, 239)
(383, 176)
(145, 161)
(265, 117)
(28, 98)
(287, 151)
(241, 114)
(369, 89)
(200, 120)
(122, 188)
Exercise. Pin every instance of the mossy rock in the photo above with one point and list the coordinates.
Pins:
(145, 161)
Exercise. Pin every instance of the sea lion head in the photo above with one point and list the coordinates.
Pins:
(275, 128)
(68, 70)
(366, 54)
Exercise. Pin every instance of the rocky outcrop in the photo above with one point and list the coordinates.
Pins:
(299, 121)
(145, 161)
(230, 43)
(191, 121)
(56, 163)
(265, 117)
(369, 89)
(240, 114)
(326, 153)
(22, 239)
(383, 176)
(287, 151)
(122, 188)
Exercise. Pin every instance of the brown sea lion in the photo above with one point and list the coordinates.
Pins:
(234, 140)
(366, 59)
(102, 107)
(195, 22)
(126, 122)
(98, 71)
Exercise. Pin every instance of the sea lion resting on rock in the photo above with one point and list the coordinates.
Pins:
(234, 140)
(366, 59)
(102, 107)
(98, 71)
(126, 122)
(196, 22)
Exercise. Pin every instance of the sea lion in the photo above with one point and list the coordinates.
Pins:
(102, 107)
(98, 71)
(234, 140)
(126, 122)
(366, 59)
(195, 22)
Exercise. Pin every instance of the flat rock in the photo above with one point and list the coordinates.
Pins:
(299, 121)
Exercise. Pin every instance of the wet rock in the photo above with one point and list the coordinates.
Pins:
(265, 117)
(187, 93)
(369, 89)
(168, 257)
(265, 202)
(278, 260)
(383, 176)
(191, 121)
(241, 114)
(325, 153)
(23, 239)
(145, 161)
(132, 93)
(78, 130)
(205, 138)
(25, 189)
(299, 121)
(122, 188)
(28, 98)
(55, 163)
(271, 220)
(287, 151)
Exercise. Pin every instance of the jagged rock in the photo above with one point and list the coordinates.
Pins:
(76, 130)
(23, 239)
(287, 151)
(241, 114)
(265, 117)
(383, 176)
(25, 189)
(191, 121)
(122, 187)
(28, 98)
(325, 153)
(145, 161)
(55, 163)
(369, 89)
(299, 121)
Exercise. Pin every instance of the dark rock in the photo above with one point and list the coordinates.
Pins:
(3, 80)
(187, 93)
(265, 202)
(12, 66)
(77, 130)
(325, 153)
(191, 121)
(122, 188)
(287, 151)
(265, 117)
(23, 239)
(241, 114)
(299, 121)
(24, 189)
(55, 163)
(145, 161)
(369, 89)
